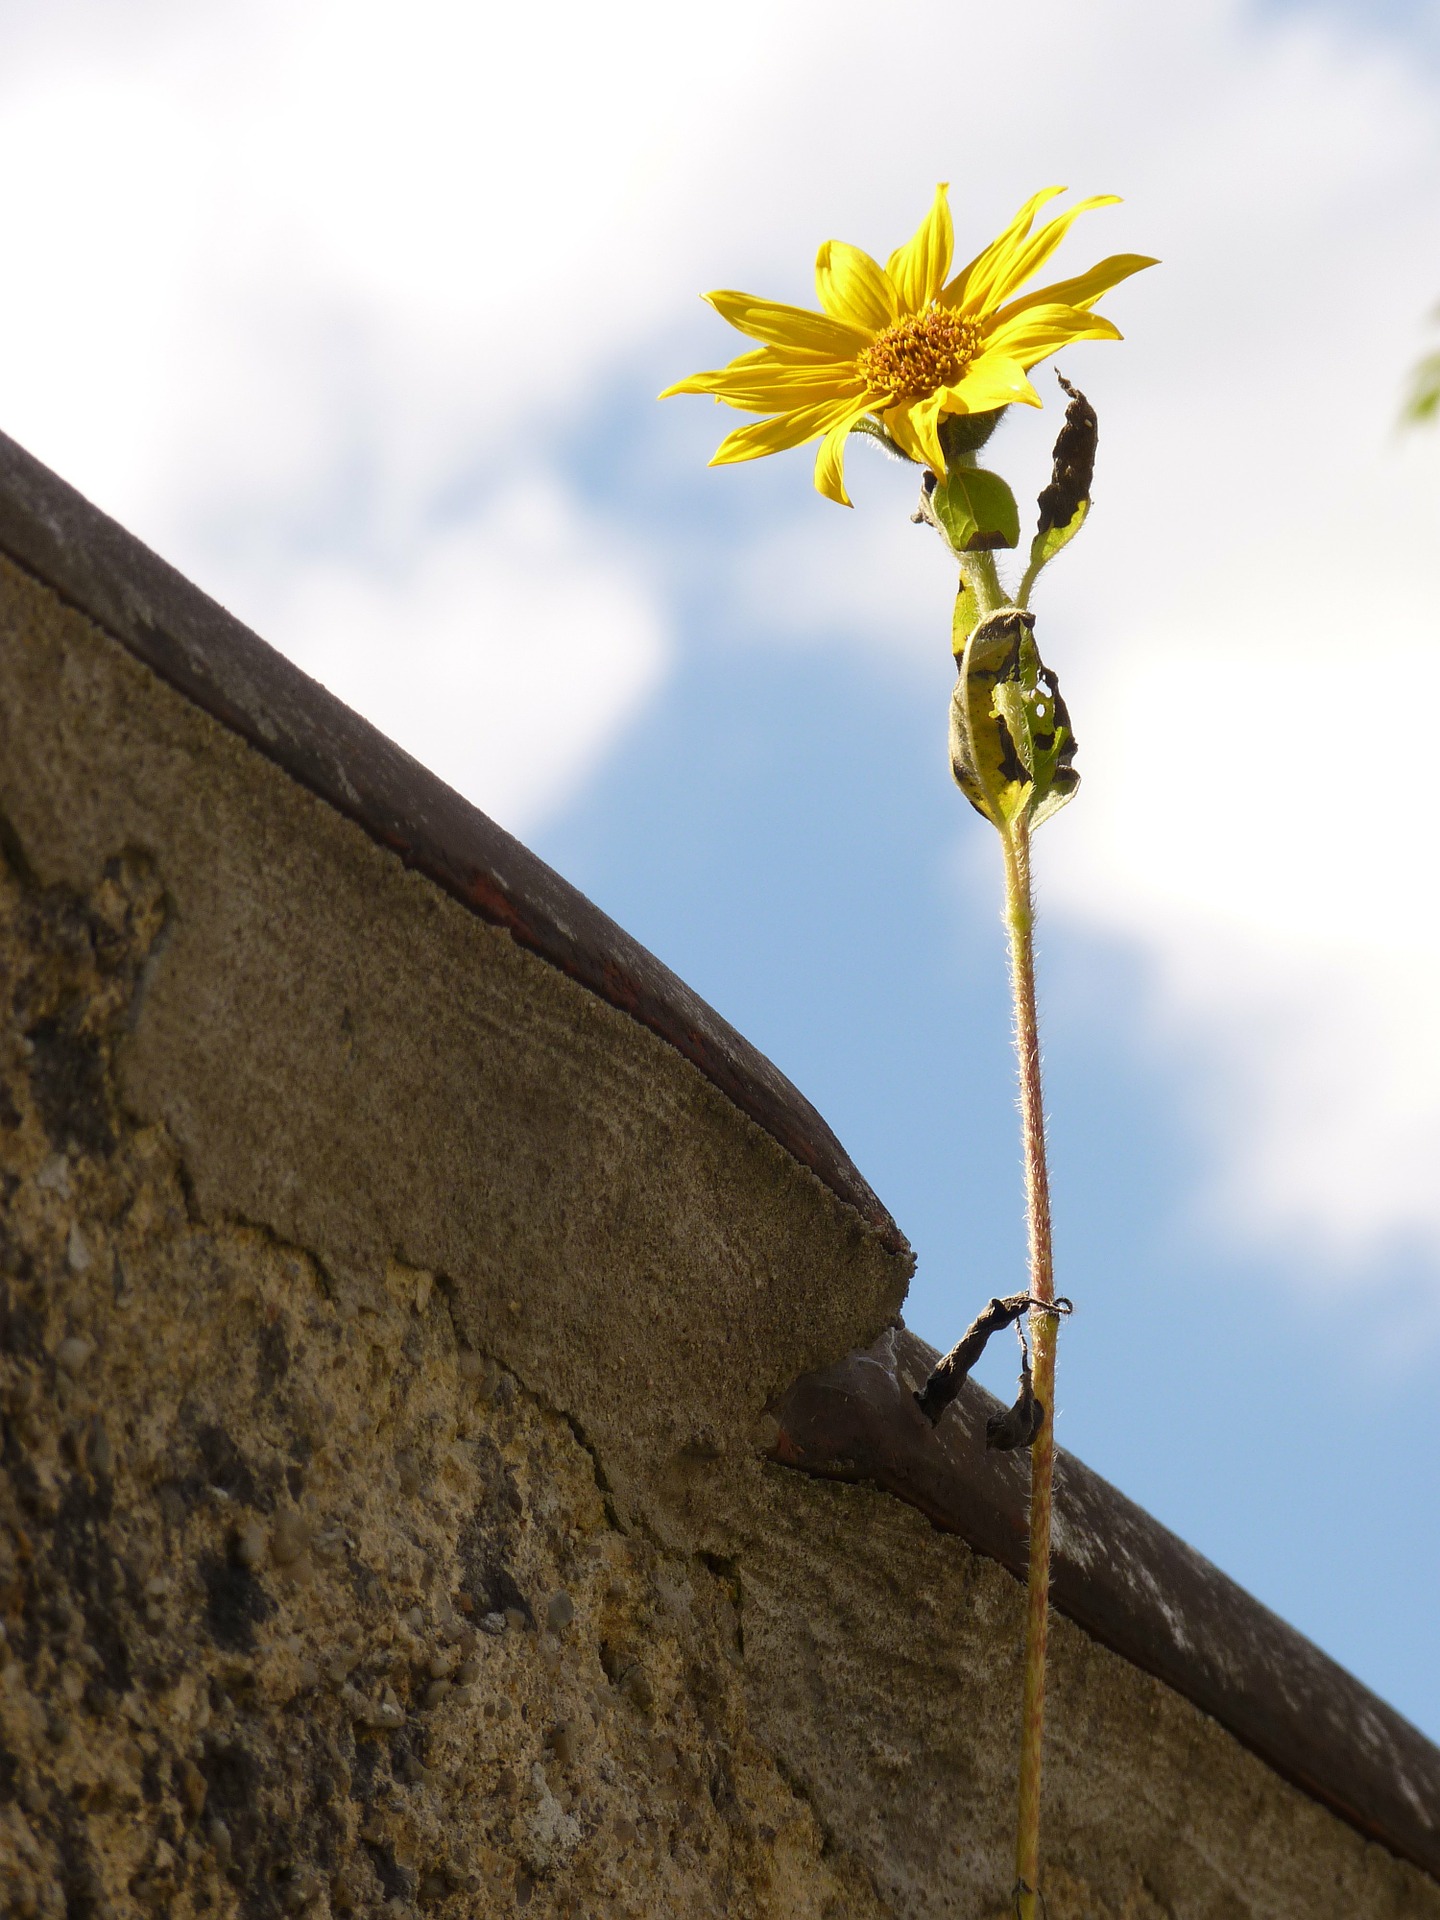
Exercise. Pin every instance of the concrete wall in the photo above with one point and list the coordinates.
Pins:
(388, 1330)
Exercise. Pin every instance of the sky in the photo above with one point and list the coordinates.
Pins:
(358, 314)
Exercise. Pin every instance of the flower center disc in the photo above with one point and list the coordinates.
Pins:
(920, 353)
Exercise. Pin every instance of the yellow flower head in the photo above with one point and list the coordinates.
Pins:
(905, 344)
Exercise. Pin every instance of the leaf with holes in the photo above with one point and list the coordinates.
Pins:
(976, 510)
(1011, 745)
(983, 757)
(1033, 710)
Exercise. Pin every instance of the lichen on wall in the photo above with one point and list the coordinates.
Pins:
(308, 1607)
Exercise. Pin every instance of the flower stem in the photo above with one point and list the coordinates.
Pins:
(1019, 921)
(1027, 584)
(982, 580)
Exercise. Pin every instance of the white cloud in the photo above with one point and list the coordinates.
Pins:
(289, 282)
(506, 653)
(1257, 819)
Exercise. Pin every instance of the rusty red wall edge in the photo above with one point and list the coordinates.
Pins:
(1129, 1583)
(51, 531)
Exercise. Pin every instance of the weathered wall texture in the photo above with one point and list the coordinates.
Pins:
(386, 1327)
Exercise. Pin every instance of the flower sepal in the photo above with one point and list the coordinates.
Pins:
(966, 433)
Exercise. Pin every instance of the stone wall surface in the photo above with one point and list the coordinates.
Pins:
(386, 1331)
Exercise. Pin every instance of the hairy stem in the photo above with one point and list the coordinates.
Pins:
(1027, 584)
(1019, 920)
(982, 583)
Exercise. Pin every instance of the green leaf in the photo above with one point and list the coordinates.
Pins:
(1048, 542)
(976, 510)
(1011, 745)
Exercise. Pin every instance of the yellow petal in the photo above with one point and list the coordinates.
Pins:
(783, 396)
(786, 430)
(768, 358)
(706, 382)
(767, 389)
(1027, 257)
(1040, 330)
(779, 402)
(897, 425)
(1086, 288)
(830, 460)
(991, 381)
(970, 287)
(783, 357)
(789, 327)
(914, 424)
(918, 269)
(696, 383)
(854, 288)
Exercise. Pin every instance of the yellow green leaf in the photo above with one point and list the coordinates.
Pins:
(1048, 542)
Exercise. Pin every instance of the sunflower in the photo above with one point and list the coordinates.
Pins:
(900, 348)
